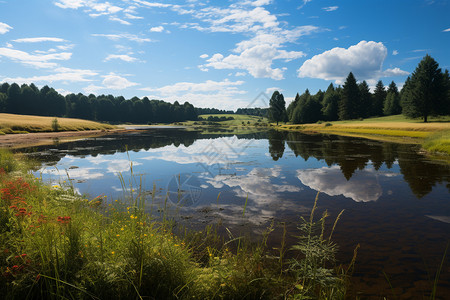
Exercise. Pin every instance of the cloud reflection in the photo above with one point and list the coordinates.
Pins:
(362, 187)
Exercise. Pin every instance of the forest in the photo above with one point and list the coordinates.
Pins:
(425, 93)
(30, 100)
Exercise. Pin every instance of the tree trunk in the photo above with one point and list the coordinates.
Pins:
(277, 123)
(425, 118)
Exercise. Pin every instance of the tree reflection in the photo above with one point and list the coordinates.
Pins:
(276, 144)
(351, 154)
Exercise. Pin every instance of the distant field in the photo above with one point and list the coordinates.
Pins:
(10, 123)
(238, 119)
(434, 135)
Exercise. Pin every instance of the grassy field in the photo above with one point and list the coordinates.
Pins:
(11, 123)
(56, 244)
(391, 128)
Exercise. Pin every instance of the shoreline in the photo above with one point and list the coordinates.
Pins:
(18, 141)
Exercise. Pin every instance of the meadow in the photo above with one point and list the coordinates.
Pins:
(58, 244)
(13, 124)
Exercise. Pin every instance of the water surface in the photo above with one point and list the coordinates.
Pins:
(396, 201)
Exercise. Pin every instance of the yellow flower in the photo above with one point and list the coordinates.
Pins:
(113, 252)
(122, 229)
(117, 235)
(145, 234)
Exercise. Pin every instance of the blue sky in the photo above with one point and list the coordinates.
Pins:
(219, 54)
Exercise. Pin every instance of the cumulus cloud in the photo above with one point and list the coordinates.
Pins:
(330, 8)
(110, 82)
(123, 57)
(116, 82)
(365, 60)
(157, 29)
(4, 28)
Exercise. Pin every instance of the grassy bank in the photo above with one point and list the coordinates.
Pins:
(11, 123)
(434, 135)
(56, 244)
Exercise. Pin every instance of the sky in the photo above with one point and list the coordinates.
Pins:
(222, 54)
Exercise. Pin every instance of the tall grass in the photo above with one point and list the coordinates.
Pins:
(55, 244)
(438, 142)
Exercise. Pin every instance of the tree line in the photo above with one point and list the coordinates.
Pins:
(425, 93)
(30, 100)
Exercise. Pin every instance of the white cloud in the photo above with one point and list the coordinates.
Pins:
(4, 28)
(395, 52)
(152, 4)
(128, 36)
(39, 40)
(269, 91)
(256, 60)
(123, 22)
(123, 57)
(394, 72)
(157, 29)
(204, 56)
(116, 82)
(61, 74)
(365, 60)
(207, 86)
(446, 30)
(38, 61)
(257, 54)
(74, 4)
(225, 94)
(238, 74)
(132, 17)
(330, 8)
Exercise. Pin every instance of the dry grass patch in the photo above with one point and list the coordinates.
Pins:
(10, 123)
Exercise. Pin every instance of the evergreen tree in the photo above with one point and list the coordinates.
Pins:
(379, 96)
(366, 100)
(392, 102)
(348, 107)
(427, 91)
(291, 107)
(277, 108)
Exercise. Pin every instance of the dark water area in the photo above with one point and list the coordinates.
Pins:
(396, 201)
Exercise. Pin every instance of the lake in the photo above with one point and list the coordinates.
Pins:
(396, 201)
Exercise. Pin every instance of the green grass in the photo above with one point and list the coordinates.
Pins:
(11, 124)
(55, 244)
(438, 142)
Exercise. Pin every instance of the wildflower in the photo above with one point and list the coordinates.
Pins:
(122, 229)
(112, 252)
(64, 220)
(117, 235)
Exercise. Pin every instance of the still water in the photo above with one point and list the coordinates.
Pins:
(396, 201)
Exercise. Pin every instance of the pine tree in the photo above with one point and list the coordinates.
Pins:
(379, 96)
(427, 92)
(366, 100)
(392, 103)
(349, 105)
